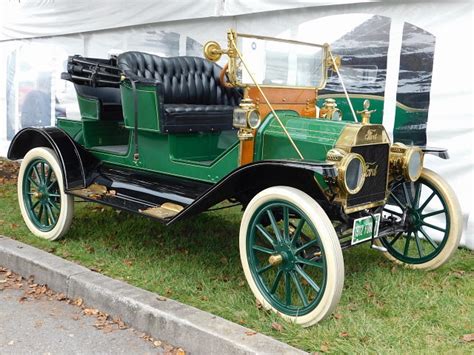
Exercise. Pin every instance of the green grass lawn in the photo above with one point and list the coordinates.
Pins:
(384, 308)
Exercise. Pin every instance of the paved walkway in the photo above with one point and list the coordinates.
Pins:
(34, 321)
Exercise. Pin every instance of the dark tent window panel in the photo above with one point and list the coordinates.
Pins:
(414, 85)
(364, 58)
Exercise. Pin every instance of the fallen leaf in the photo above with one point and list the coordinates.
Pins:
(128, 262)
(468, 337)
(344, 334)
(61, 297)
(250, 332)
(161, 298)
(78, 302)
(277, 326)
(157, 343)
(90, 311)
(324, 348)
(180, 351)
(338, 316)
(258, 304)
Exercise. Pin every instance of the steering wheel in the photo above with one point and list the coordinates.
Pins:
(223, 77)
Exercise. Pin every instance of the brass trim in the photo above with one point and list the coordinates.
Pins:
(275, 259)
(212, 50)
(342, 159)
(355, 134)
(293, 41)
(399, 159)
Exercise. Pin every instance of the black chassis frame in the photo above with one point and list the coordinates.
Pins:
(136, 191)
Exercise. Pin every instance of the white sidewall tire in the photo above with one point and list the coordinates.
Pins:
(330, 242)
(67, 201)
(455, 231)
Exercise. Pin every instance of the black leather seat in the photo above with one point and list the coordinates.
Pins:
(189, 88)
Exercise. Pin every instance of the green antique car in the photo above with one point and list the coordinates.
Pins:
(168, 138)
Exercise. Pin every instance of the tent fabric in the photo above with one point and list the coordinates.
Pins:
(41, 18)
(98, 29)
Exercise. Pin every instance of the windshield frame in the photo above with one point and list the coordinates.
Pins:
(324, 60)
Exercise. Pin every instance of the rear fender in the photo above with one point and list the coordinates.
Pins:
(75, 161)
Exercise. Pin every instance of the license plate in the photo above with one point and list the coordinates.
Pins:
(362, 229)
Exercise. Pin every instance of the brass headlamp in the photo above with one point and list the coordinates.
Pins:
(406, 161)
(351, 170)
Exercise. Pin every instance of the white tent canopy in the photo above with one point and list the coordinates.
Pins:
(98, 28)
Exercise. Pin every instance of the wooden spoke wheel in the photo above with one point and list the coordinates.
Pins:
(46, 209)
(431, 214)
(291, 256)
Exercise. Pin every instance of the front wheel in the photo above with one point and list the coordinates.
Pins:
(45, 207)
(291, 255)
(432, 217)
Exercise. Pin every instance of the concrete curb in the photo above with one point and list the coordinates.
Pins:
(196, 331)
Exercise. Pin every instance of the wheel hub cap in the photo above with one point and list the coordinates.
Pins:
(275, 260)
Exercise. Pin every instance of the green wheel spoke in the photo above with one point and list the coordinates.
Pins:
(416, 200)
(265, 268)
(309, 262)
(263, 249)
(431, 214)
(407, 244)
(276, 281)
(307, 245)
(53, 204)
(407, 194)
(299, 289)
(287, 289)
(421, 252)
(429, 225)
(50, 185)
(43, 173)
(276, 230)
(54, 195)
(308, 279)
(397, 201)
(48, 177)
(33, 181)
(428, 238)
(35, 204)
(266, 234)
(423, 206)
(51, 216)
(286, 223)
(397, 236)
(35, 169)
(393, 212)
(298, 230)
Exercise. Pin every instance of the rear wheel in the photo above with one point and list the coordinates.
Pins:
(291, 255)
(44, 205)
(432, 218)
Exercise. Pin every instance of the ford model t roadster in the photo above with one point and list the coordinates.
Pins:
(168, 138)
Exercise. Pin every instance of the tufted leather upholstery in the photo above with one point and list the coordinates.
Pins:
(192, 96)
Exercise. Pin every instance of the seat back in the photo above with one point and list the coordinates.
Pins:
(185, 80)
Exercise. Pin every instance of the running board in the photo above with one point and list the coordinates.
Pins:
(157, 196)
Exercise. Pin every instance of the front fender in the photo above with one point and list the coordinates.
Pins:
(75, 160)
(439, 152)
(246, 181)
